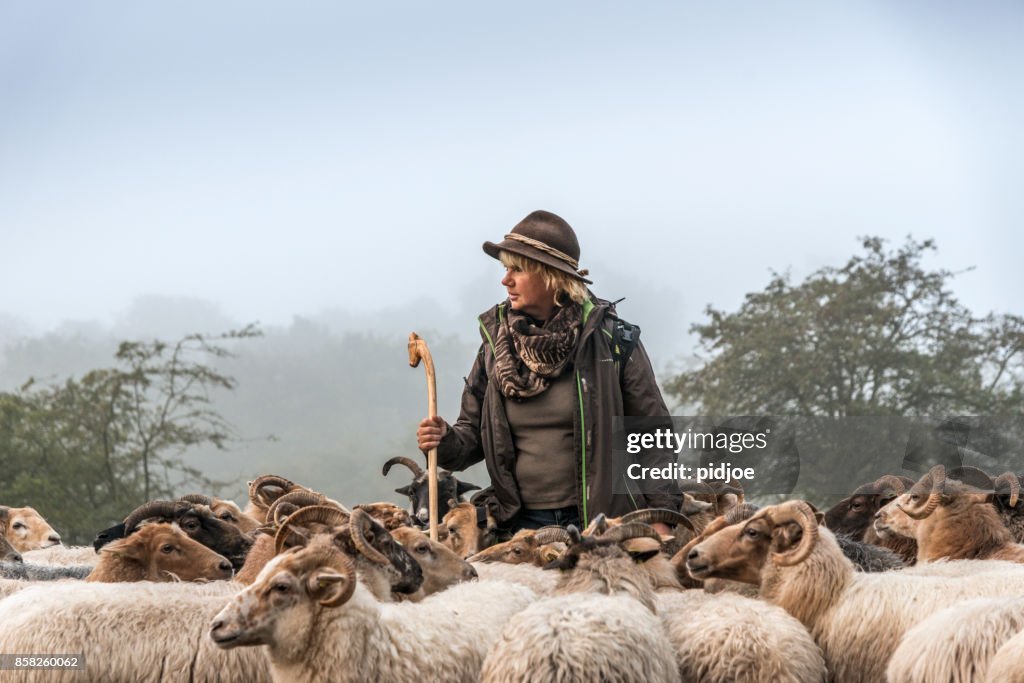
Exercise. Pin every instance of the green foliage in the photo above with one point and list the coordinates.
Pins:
(87, 451)
(882, 335)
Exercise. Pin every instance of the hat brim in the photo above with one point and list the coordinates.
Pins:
(493, 250)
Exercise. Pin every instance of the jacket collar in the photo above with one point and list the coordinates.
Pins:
(594, 311)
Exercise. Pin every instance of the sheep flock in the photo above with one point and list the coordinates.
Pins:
(902, 581)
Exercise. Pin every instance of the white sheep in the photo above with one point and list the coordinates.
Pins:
(539, 581)
(601, 624)
(127, 632)
(857, 619)
(319, 624)
(955, 644)
(728, 638)
(1007, 666)
(582, 638)
(63, 555)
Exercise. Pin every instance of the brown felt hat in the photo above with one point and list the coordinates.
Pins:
(546, 238)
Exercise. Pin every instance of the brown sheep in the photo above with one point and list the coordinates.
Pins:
(25, 529)
(442, 568)
(952, 520)
(159, 552)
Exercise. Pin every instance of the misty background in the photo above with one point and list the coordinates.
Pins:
(330, 171)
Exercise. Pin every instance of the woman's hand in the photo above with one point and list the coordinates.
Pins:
(430, 432)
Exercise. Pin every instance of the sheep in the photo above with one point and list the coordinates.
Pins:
(448, 488)
(1007, 666)
(806, 573)
(956, 644)
(319, 624)
(591, 638)
(1011, 515)
(225, 510)
(539, 581)
(159, 552)
(263, 491)
(25, 529)
(950, 519)
(198, 521)
(735, 515)
(42, 572)
(729, 638)
(470, 529)
(600, 624)
(388, 514)
(854, 514)
(383, 565)
(442, 568)
(130, 632)
(528, 546)
(63, 555)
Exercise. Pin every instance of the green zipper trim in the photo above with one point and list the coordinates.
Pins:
(501, 317)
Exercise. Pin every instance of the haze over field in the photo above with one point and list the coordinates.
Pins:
(331, 170)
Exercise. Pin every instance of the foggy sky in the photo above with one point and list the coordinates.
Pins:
(272, 161)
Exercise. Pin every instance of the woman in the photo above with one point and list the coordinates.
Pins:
(540, 398)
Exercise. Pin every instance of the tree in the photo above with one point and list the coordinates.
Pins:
(89, 450)
(881, 335)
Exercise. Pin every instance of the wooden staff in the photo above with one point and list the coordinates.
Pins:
(418, 350)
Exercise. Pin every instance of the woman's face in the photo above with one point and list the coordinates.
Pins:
(528, 294)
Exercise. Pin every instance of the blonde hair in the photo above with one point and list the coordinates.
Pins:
(563, 285)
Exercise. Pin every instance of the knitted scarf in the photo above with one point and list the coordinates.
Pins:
(527, 356)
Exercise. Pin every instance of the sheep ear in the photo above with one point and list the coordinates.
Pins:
(4, 512)
(819, 517)
(404, 490)
(327, 586)
(129, 548)
(786, 536)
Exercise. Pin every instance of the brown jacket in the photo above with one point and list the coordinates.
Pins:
(482, 431)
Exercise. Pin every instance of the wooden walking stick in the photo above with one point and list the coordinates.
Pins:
(418, 350)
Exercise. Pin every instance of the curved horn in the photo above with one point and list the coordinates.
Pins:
(1009, 479)
(163, 509)
(889, 482)
(937, 477)
(298, 499)
(551, 534)
(658, 516)
(417, 471)
(359, 517)
(349, 570)
(256, 486)
(314, 514)
(597, 526)
(197, 498)
(800, 512)
(626, 532)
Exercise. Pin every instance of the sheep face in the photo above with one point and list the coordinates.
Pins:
(735, 552)
(25, 529)
(441, 567)
(201, 524)
(521, 549)
(368, 537)
(448, 488)
(891, 521)
(280, 607)
(163, 552)
(228, 511)
(464, 536)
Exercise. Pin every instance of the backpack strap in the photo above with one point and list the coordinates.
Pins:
(623, 339)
